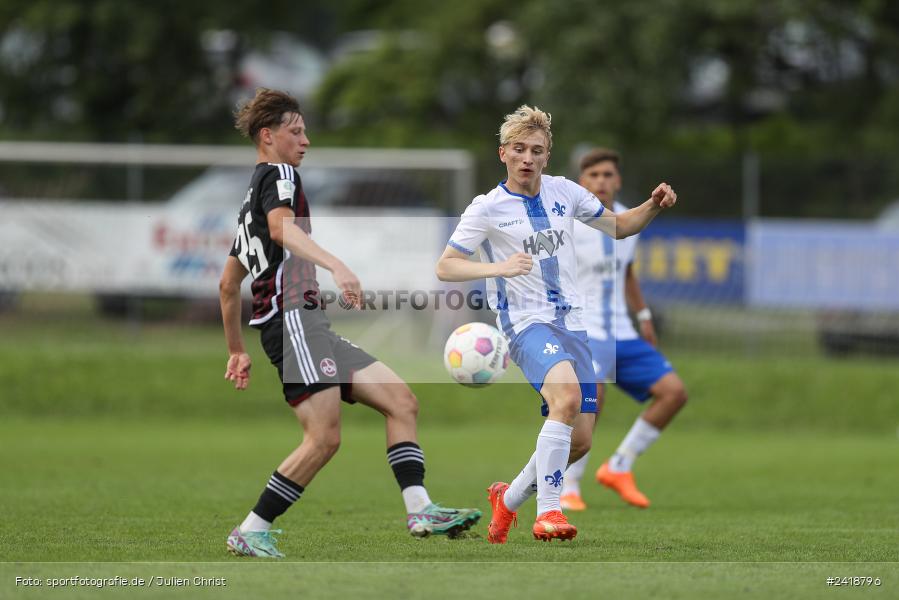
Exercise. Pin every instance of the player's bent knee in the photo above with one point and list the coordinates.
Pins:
(682, 397)
(671, 392)
(326, 442)
(567, 403)
(402, 404)
(677, 397)
(331, 444)
(573, 399)
(408, 403)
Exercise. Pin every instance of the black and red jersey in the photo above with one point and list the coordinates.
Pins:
(277, 276)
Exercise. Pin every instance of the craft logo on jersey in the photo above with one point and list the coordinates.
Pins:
(559, 209)
(547, 241)
(329, 367)
(555, 479)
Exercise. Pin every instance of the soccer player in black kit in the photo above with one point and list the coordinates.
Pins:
(318, 368)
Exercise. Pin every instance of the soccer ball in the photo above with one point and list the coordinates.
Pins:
(476, 354)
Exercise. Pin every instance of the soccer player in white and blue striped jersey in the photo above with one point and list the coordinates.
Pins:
(620, 354)
(523, 231)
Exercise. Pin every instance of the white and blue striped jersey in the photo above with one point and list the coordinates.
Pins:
(501, 223)
(602, 266)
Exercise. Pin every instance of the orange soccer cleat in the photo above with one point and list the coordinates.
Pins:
(623, 483)
(553, 525)
(572, 501)
(503, 519)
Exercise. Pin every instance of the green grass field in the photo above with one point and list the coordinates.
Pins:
(124, 453)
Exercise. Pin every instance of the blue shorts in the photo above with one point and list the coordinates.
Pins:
(634, 365)
(542, 346)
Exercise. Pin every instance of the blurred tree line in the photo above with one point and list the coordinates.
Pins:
(683, 87)
(119, 70)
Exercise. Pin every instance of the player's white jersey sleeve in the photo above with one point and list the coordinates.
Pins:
(586, 206)
(472, 229)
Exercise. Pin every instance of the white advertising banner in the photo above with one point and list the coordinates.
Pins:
(152, 249)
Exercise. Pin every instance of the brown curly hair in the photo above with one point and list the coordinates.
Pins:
(266, 109)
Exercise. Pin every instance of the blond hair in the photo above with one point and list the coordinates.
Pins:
(524, 121)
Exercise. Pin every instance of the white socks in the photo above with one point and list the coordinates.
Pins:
(416, 498)
(254, 522)
(572, 483)
(638, 439)
(523, 486)
(553, 446)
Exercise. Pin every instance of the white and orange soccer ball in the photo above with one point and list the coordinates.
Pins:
(476, 354)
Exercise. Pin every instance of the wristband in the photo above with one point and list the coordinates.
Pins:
(644, 314)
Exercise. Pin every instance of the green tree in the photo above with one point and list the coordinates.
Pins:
(433, 78)
(115, 69)
(808, 73)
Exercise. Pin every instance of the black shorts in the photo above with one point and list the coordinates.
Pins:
(309, 356)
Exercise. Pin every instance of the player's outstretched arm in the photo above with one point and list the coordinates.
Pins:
(238, 368)
(633, 221)
(455, 266)
(286, 234)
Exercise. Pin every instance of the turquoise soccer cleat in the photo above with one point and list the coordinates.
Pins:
(254, 543)
(435, 519)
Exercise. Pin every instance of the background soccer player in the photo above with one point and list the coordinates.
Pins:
(523, 229)
(606, 273)
(318, 368)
